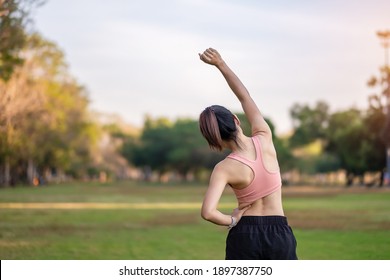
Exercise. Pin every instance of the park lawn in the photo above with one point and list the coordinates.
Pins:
(343, 225)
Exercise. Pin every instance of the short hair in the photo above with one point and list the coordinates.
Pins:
(217, 124)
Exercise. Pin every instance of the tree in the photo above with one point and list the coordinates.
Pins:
(21, 98)
(179, 147)
(188, 147)
(43, 115)
(383, 82)
(309, 123)
(346, 139)
(14, 18)
(375, 136)
(170, 146)
(151, 150)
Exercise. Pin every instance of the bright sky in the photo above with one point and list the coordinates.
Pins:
(141, 57)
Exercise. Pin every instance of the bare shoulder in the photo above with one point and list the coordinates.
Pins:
(220, 169)
(220, 175)
(225, 168)
(237, 174)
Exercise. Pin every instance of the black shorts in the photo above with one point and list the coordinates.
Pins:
(261, 238)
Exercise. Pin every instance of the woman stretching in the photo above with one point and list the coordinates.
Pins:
(258, 227)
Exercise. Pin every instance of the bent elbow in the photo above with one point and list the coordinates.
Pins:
(206, 215)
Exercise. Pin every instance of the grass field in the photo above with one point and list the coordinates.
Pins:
(130, 220)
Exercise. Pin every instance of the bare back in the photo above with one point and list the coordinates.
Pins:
(242, 175)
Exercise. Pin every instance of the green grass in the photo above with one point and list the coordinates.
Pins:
(343, 244)
(346, 224)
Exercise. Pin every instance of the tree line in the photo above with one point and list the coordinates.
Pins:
(178, 146)
(44, 122)
(47, 128)
(351, 140)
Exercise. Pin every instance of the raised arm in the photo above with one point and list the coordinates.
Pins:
(252, 112)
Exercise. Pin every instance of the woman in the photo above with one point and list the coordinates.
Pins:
(258, 227)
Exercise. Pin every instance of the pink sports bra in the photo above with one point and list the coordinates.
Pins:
(263, 183)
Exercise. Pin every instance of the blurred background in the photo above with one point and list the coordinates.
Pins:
(97, 90)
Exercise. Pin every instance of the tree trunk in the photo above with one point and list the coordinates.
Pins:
(381, 178)
(30, 172)
(7, 172)
(350, 177)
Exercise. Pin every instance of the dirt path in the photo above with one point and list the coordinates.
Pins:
(289, 191)
(94, 205)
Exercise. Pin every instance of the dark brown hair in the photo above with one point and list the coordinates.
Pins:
(217, 124)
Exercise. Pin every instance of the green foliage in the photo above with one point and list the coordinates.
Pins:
(351, 139)
(50, 125)
(155, 144)
(188, 147)
(376, 135)
(167, 146)
(12, 37)
(179, 147)
(355, 139)
(346, 138)
(14, 18)
(309, 123)
(326, 162)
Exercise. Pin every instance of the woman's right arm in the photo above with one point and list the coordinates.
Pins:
(252, 112)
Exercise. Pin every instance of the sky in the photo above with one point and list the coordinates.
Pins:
(139, 58)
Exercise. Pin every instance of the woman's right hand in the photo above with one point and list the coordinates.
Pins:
(211, 56)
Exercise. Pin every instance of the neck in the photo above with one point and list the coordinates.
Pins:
(243, 142)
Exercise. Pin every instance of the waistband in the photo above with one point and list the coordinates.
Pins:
(263, 220)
